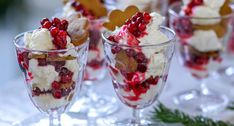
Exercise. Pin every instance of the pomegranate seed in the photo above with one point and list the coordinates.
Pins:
(64, 24)
(65, 75)
(54, 31)
(128, 22)
(36, 91)
(115, 49)
(140, 57)
(42, 62)
(130, 52)
(55, 85)
(129, 76)
(57, 94)
(146, 16)
(141, 68)
(74, 4)
(44, 20)
(142, 27)
(112, 38)
(47, 25)
(56, 22)
(79, 7)
(139, 14)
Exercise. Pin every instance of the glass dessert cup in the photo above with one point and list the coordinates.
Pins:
(53, 79)
(200, 60)
(226, 72)
(92, 103)
(135, 86)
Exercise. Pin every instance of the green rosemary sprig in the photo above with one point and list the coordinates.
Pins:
(166, 115)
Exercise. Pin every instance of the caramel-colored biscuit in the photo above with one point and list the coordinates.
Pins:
(59, 58)
(80, 39)
(118, 17)
(95, 6)
(219, 29)
(66, 85)
(226, 9)
(124, 62)
(195, 52)
(36, 56)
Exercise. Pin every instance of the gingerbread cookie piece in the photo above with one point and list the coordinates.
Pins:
(118, 17)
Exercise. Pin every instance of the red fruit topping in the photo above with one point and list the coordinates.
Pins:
(23, 59)
(57, 94)
(115, 49)
(183, 27)
(142, 68)
(64, 24)
(44, 20)
(153, 80)
(56, 22)
(60, 41)
(191, 5)
(137, 25)
(146, 17)
(54, 31)
(80, 8)
(55, 85)
(47, 25)
(129, 76)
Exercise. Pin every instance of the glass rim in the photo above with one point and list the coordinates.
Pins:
(17, 37)
(172, 12)
(147, 45)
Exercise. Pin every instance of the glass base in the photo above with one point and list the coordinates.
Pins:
(132, 122)
(43, 120)
(226, 73)
(97, 106)
(203, 101)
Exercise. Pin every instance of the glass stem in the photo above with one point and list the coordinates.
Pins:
(136, 116)
(55, 119)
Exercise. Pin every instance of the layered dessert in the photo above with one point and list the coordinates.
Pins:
(50, 75)
(94, 13)
(138, 71)
(201, 34)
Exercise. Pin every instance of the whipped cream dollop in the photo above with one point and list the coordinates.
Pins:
(208, 9)
(205, 41)
(68, 9)
(154, 35)
(41, 39)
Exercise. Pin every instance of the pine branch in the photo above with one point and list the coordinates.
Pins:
(167, 115)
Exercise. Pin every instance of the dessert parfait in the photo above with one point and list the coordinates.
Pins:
(94, 13)
(50, 60)
(138, 67)
(202, 27)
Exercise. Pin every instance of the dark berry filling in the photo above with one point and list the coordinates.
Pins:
(183, 27)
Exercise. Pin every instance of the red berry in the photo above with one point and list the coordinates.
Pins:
(140, 58)
(115, 49)
(36, 91)
(57, 94)
(146, 16)
(47, 25)
(141, 68)
(112, 38)
(141, 27)
(55, 85)
(56, 22)
(64, 24)
(42, 62)
(54, 31)
(44, 20)
(139, 14)
(128, 22)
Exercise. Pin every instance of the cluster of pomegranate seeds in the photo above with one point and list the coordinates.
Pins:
(137, 24)
(80, 8)
(65, 75)
(23, 59)
(183, 27)
(188, 10)
(58, 30)
(139, 88)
